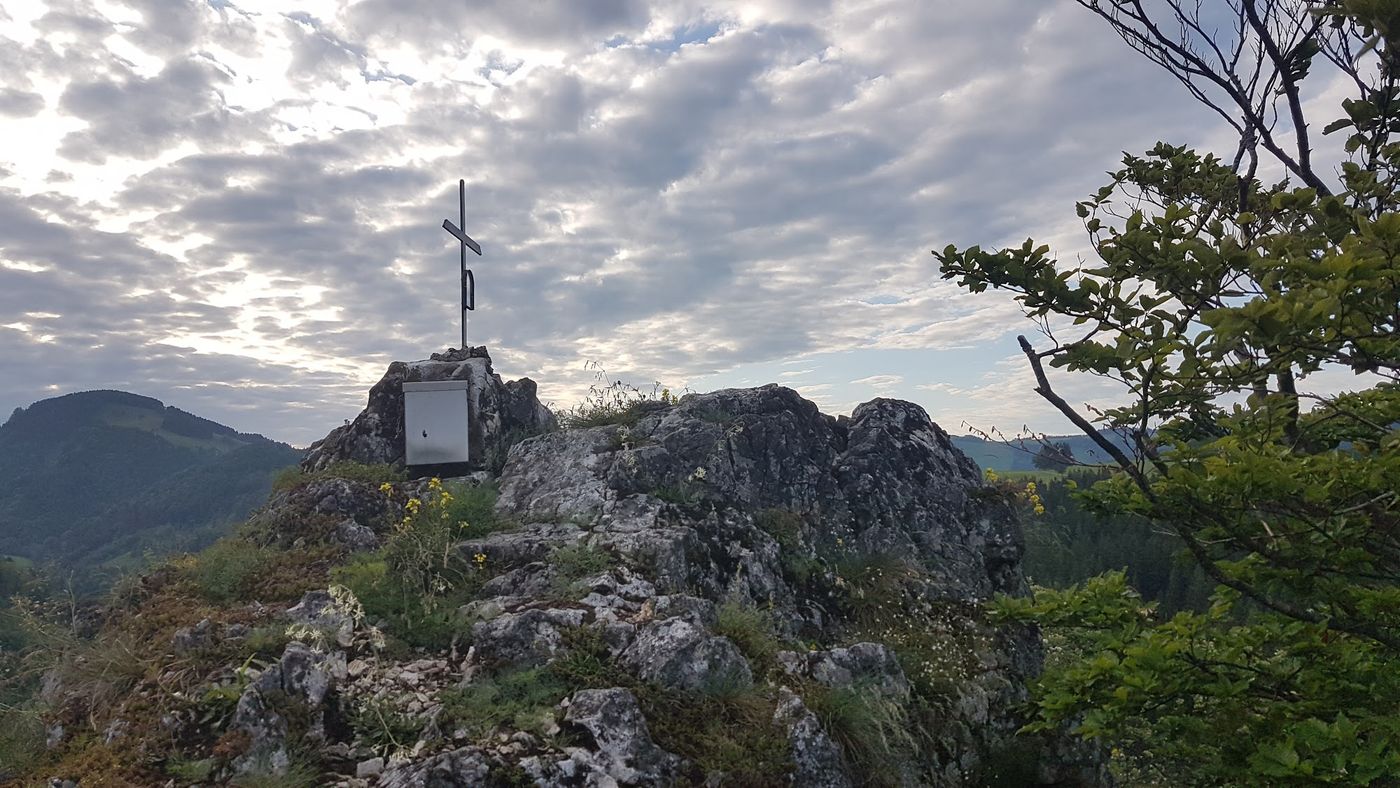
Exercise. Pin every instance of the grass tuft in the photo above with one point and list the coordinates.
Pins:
(520, 699)
(293, 476)
(752, 631)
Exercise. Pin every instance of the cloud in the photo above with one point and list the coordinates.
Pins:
(879, 382)
(19, 103)
(134, 116)
(238, 205)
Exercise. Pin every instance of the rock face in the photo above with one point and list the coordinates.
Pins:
(887, 480)
(504, 412)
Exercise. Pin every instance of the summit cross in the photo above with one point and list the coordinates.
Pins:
(468, 281)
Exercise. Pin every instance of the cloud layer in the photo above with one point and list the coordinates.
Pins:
(235, 207)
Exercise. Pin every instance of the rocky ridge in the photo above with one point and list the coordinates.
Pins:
(735, 589)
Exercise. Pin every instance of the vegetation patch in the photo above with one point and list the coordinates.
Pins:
(473, 509)
(751, 629)
(225, 571)
(728, 729)
(577, 561)
(516, 699)
(872, 728)
(613, 402)
(416, 581)
(383, 727)
(293, 477)
(21, 739)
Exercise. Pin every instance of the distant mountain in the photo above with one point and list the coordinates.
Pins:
(1017, 455)
(99, 477)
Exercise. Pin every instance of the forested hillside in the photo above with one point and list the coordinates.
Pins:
(99, 477)
(1068, 544)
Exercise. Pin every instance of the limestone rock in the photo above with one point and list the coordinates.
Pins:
(357, 538)
(817, 760)
(625, 751)
(303, 677)
(679, 654)
(187, 639)
(504, 413)
(462, 768)
(336, 508)
(319, 612)
(868, 665)
(525, 639)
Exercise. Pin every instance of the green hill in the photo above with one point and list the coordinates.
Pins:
(99, 477)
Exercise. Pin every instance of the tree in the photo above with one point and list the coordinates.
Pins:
(1055, 456)
(1228, 309)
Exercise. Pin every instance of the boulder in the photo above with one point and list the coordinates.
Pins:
(298, 683)
(524, 639)
(677, 653)
(817, 760)
(872, 666)
(504, 412)
(461, 768)
(624, 749)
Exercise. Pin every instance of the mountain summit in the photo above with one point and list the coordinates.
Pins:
(729, 588)
(98, 476)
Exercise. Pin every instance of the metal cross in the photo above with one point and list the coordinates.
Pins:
(468, 281)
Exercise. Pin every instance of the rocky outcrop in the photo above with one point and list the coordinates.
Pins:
(504, 412)
(887, 480)
(728, 589)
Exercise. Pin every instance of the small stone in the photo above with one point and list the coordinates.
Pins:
(369, 768)
(356, 667)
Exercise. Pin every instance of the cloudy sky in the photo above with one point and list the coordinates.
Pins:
(235, 207)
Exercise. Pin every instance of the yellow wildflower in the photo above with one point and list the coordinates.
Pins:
(990, 475)
(386, 488)
(413, 505)
(480, 559)
(435, 483)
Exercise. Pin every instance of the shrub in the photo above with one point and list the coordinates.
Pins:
(675, 494)
(226, 569)
(189, 769)
(21, 740)
(416, 580)
(384, 728)
(300, 774)
(871, 586)
(784, 526)
(586, 662)
(473, 509)
(729, 732)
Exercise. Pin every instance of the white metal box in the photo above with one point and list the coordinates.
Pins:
(436, 422)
